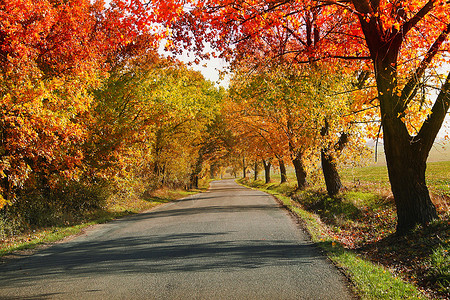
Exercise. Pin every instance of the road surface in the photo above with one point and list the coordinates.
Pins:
(228, 243)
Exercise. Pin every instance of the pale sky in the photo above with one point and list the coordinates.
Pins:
(210, 69)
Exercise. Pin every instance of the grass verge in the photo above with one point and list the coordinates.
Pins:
(115, 209)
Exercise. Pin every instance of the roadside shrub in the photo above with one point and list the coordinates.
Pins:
(9, 225)
(64, 203)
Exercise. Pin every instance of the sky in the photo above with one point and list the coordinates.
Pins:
(210, 69)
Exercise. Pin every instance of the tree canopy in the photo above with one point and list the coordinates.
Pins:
(85, 94)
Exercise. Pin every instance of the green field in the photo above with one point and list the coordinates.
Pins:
(438, 177)
(375, 177)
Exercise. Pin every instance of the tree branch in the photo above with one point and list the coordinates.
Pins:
(433, 123)
(406, 27)
(410, 89)
(363, 6)
(341, 4)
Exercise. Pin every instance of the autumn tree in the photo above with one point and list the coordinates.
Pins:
(51, 54)
(405, 42)
(156, 113)
(277, 110)
(308, 106)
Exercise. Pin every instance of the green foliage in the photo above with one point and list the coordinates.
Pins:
(10, 225)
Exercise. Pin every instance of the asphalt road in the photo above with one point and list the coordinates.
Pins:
(228, 243)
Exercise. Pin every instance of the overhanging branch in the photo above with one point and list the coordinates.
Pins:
(410, 89)
(433, 123)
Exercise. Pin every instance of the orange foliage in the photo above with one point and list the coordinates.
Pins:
(51, 54)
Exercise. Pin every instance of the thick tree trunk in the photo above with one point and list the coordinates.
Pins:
(300, 172)
(406, 155)
(267, 165)
(244, 168)
(256, 170)
(282, 171)
(330, 174)
(406, 169)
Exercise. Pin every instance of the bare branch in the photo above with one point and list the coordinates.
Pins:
(433, 123)
(410, 89)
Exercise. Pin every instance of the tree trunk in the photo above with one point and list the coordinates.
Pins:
(196, 170)
(256, 170)
(300, 172)
(267, 165)
(406, 155)
(405, 158)
(330, 174)
(6, 185)
(212, 170)
(244, 168)
(158, 167)
(282, 171)
(406, 168)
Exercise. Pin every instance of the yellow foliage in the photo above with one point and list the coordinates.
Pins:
(3, 201)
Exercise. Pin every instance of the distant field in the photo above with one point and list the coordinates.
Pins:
(438, 176)
(438, 170)
(375, 176)
(439, 152)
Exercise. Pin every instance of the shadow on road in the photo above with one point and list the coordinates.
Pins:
(150, 250)
(184, 209)
(155, 254)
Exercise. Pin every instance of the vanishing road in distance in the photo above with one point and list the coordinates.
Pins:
(229, 243)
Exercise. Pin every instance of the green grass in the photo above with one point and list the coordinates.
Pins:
(375, 174)
(52, 234)
(437, 176)
(440, 272)
(372, 281)
(48, 235)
